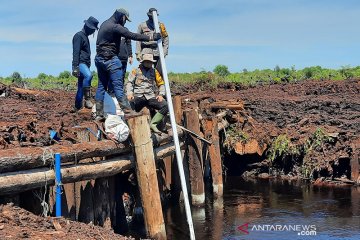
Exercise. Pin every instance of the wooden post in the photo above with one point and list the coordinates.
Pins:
(175, 186)
(211, 128)
(147, 177)
(177, 109)
(194, 153)
(84, 190)
(355, 163)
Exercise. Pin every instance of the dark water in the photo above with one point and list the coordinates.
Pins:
(334, 213)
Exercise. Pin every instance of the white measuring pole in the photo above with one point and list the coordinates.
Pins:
(175, 133)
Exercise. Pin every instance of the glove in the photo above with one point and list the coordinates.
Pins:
(76, 72)
(156, 36)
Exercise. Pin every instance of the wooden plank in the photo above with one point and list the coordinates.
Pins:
(29, 158)
(194, 153)
(33, 157)
(211, 129)
(147, 177)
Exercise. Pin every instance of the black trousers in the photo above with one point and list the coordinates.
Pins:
(139, 102)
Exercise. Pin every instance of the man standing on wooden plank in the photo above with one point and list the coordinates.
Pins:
(107, 62)
(142, 48)
(81, 63)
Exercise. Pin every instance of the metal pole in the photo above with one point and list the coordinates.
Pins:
(58, 184)
(174, 129)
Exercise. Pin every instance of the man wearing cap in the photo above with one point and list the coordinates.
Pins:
(107, 62)
(148, 28)
(81, 63)
(140, 90)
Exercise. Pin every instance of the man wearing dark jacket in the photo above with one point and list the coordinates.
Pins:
(81, 63)
(107, 62)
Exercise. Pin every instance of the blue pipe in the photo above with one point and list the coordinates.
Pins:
(58, 184)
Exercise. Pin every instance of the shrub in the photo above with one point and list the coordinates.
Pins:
(345, 71)
(281, 148)
(65, 74)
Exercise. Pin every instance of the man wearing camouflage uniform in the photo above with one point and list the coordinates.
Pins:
(140, 90)
(142, 48)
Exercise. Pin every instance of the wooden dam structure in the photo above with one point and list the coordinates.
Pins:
(93, 171)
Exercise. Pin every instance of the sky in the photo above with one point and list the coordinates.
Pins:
(36, 35)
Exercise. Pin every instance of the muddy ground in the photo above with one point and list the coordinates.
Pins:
(28, 115)
(17, 223)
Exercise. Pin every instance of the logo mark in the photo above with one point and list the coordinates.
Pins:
(244, 228)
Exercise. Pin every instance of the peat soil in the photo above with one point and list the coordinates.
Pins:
(308, 129)
(27, 116)
(17, 223)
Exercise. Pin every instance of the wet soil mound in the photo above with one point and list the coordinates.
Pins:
(17, 223)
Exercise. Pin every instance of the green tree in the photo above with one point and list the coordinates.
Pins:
(16, 77)
(42, 76)
(221, 70)
(65, 74)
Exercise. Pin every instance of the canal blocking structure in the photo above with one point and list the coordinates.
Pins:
(91, 172)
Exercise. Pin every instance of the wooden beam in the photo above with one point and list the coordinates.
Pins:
(194, 152)
(29, 158)
(211, 129)
(147, 177)
(17, 159)
(21, 181)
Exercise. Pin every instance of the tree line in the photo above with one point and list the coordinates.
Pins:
(218, 75)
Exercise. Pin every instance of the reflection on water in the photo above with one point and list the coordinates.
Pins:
(334, 212)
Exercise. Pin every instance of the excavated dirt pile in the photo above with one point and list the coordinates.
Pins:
(17, 223)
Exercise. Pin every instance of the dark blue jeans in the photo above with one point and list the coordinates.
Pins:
(83, 81)
(109, 72)
(123, 67)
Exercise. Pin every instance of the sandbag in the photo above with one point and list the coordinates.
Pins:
(116, 128)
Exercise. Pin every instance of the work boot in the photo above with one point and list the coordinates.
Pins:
(99, 111)
(128, 111)
(87, 96)
(75, 109)
(154, 122)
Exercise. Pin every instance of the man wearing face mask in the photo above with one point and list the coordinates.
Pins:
(148, 28)
(140, 90)
(81, 63)
(107, 62)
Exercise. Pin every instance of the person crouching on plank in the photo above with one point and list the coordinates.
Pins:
(140, 90)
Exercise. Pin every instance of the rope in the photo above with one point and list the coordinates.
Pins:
(46, 156)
